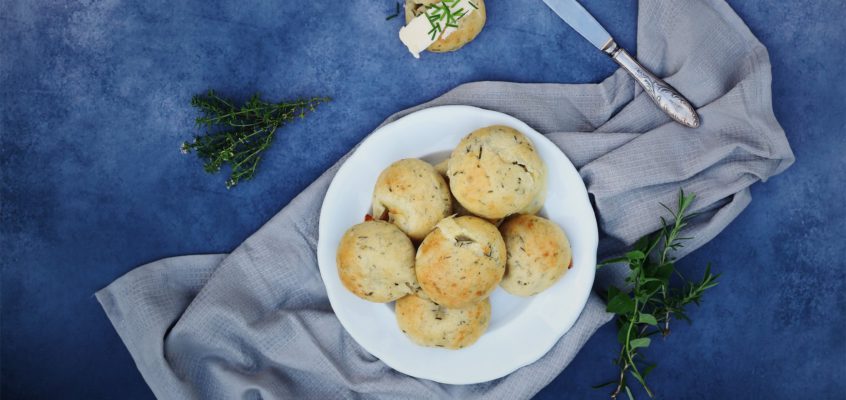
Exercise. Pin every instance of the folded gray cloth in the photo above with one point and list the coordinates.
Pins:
(257, 324)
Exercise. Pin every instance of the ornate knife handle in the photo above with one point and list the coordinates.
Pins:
(664, 95)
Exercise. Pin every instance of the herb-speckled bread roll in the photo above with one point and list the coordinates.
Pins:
(538, 200)
(457, 209)
(412, 195)
(442, 166)
(461, 261)
(429, 324)
(495, 172)
(539, 254)
(376, 262)
(468, 28)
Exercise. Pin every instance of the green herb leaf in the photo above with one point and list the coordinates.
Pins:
(640, 342)
(612, 261)
(648, 319)
(635, 256)
(621, 303)
(664, 272)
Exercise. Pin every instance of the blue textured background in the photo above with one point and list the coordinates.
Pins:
(95, 101)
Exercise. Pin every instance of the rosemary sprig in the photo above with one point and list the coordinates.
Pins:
(239, 135)
(649, 306)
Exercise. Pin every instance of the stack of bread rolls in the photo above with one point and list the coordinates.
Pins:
(441, 238)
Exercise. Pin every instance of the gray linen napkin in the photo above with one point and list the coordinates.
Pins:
(257, 324)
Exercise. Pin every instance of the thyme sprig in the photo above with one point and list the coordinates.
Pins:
(648, 307)
(239, 135)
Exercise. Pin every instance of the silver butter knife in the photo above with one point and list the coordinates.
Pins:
(664, 95)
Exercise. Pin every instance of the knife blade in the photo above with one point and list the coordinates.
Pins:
(665, 96)
(572, 12)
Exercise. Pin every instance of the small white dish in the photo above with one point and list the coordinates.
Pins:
(521, 330)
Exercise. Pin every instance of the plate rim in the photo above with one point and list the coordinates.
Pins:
(529, 357)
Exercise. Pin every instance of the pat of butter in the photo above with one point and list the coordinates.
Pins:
(416, 37)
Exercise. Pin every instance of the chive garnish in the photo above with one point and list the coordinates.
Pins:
(395, 14)
(444, 15)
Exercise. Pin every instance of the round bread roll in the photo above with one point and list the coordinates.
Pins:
(412, 195)
(495, 172)
(376, 262)
(538, 254)
(468, 27)
(461, 261)
(457, 209)
(429, 324)
(442, 166)
(539, 200)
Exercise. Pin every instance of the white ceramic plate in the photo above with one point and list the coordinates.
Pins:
(521, 329)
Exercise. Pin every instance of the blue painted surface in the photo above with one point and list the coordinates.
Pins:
(95, 104)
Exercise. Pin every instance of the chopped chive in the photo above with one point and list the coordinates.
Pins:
(445, 15)
(395, 14)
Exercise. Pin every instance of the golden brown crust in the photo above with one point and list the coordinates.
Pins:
(441, 167)
(412, 195)
(461, 261)
(495, 172)
(376, 262)
(539, 254)
(457, 209)
(429, 324)
(468, 28)
(539, 199)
